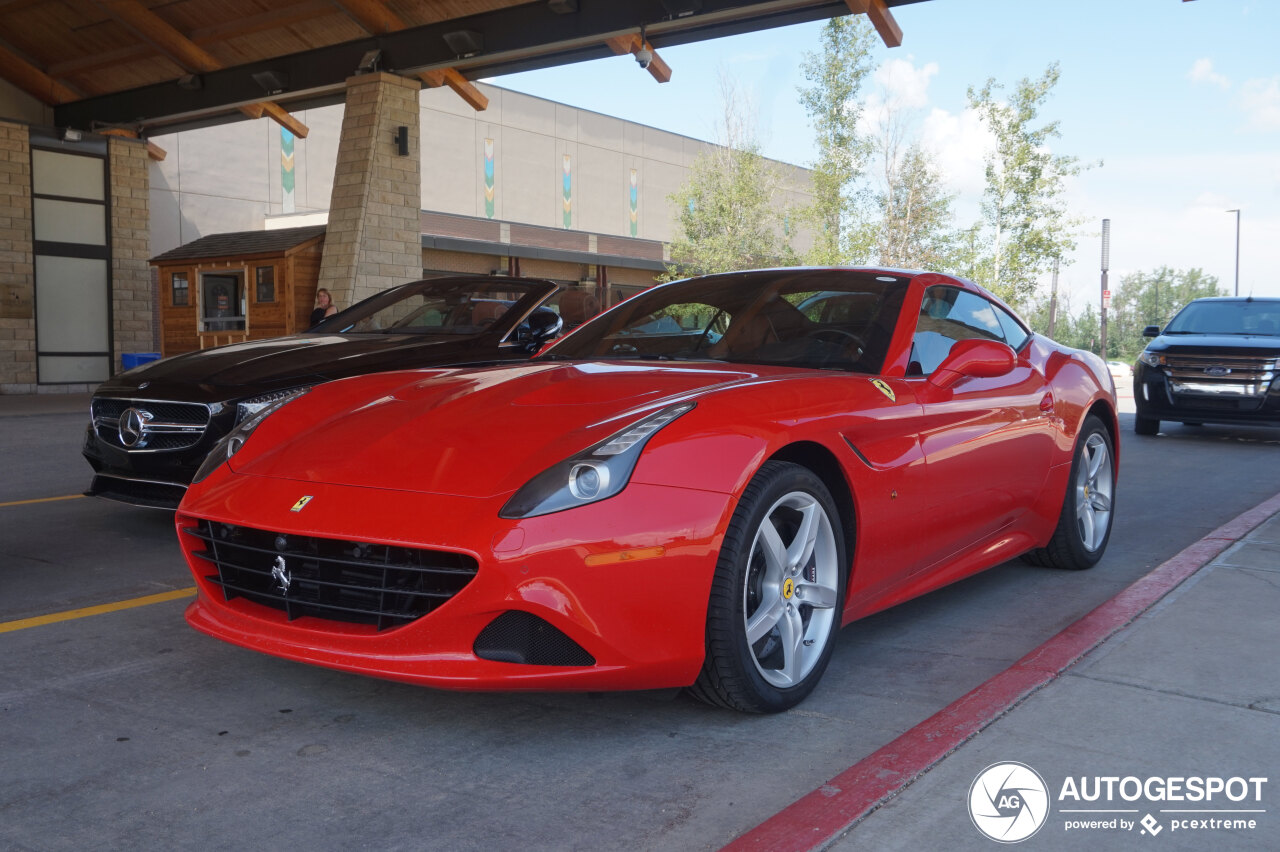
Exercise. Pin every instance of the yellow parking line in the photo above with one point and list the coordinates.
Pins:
(68, 615)
(41, 500)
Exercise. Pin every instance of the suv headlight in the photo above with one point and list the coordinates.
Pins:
(235, 439)
(594, 474)
(1151, 359)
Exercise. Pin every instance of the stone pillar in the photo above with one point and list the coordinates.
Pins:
(17, 263)
(374, 238)
(132, 306)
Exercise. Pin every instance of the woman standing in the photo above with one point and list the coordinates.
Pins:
(324, 306)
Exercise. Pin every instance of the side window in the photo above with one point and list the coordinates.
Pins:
(1014, 334)
(948, 315)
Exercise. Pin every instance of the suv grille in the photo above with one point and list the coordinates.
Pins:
(165, 425)
(325, 578)
(1220, 375)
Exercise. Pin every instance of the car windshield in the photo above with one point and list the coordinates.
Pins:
(824, 318)
(1228, 317)
(453, 306)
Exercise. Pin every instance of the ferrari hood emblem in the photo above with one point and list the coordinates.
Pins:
(884, 388)
(301, 504)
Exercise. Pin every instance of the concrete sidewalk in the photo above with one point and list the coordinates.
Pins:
(1190, 689)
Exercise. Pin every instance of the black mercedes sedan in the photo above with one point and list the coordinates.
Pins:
(1215, 362)
(151, 427)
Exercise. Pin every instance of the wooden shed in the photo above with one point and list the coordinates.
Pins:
(227, 288)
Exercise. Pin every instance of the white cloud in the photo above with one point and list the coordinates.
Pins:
(1202, 72)
(1260, 99)
(959, 144)
(903, 84)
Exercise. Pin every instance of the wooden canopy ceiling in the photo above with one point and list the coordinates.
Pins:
(134, 66)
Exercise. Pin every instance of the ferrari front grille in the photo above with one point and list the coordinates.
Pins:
(158, 425)
(348, 581)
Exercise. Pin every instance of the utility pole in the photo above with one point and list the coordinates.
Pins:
(1106, 294)
(1053, 300)
(1237, 212)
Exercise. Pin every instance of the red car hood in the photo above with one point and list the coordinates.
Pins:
(473, 433)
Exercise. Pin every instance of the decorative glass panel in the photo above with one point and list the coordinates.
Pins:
(69, 175)
(266, 284)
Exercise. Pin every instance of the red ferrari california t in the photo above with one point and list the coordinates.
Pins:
(697, 488)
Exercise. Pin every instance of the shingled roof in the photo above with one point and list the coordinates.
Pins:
(242, 244)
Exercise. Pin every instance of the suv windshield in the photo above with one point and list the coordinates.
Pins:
(445, 306)
(825, 318)
(1228, 317)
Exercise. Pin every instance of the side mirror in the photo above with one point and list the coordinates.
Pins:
(541, 326)
(1151, 331)
(975, 358)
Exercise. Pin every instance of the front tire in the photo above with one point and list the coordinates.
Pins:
(777, 594)
(1084, 526)
(1145, 425)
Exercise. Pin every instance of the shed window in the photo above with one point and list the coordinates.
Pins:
(266, 291)
(181, 292)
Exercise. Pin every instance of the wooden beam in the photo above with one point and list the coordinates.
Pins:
(453, 78)
(658, 68)
(373, 15)
(33, 81)
(154, 151)
(284, 118)
(157, 32)
(881, 19)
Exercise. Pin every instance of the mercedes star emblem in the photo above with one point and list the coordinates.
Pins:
(132, 430)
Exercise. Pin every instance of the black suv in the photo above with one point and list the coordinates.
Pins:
(1215, 362)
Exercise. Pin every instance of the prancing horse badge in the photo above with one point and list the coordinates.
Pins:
(880, 386)
(301, 504)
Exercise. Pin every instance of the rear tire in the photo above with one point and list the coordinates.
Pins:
(1145, 425)
(1084, 526)
(777, 596)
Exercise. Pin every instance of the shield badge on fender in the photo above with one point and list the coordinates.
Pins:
(884, 388)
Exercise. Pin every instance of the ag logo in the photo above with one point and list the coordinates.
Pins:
(884, 388)
(1008, 802)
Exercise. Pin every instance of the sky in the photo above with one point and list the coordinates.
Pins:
(1177, 105)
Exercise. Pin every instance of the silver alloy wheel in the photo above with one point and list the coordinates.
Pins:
(791, 589)
(1095, 490)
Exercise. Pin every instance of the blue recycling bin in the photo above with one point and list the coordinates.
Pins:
(129, 360)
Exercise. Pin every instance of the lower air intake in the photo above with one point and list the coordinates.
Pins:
(519, 637)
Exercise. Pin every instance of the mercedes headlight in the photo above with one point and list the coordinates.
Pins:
(250, 407)
(594, 474)
(1151, 359)
(235, 439)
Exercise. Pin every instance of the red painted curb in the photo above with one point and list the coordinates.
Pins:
(820, 816)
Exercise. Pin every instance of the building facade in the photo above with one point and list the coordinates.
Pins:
(527, 186)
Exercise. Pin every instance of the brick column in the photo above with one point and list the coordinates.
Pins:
(374, 239)
(132, 308)
(17, 263)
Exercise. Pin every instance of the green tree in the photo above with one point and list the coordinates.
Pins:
(727, 215)
(1152, 298)
(835, 75)
(916, 229)
(1024, 212)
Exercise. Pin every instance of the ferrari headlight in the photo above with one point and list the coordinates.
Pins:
(235, 439)
(1151, 359)
(596, 473)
